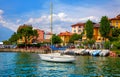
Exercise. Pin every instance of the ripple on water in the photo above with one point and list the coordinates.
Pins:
(30, 65)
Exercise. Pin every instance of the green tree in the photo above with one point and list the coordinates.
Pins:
(56, 39)
(104, 27)
(107, 45)
(6, 42)
(91, 42)
(115, 32)
(14, 38)
(75, 37)
(27, 32)
(89, 29)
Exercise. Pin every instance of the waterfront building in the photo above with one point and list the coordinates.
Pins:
(115, 21)
(47, 37)
(78, 28)
(40, 37)
(65, 36)
(96, 33)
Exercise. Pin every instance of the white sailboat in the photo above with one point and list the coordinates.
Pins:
(56, 57)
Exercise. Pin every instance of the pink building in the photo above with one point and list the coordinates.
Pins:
(40, 35)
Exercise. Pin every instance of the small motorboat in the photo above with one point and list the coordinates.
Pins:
(104, 53)
(96, 52)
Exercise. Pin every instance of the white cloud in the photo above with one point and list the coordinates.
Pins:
(1, 12)
(61, 22)
(5, 23)
(18, 20)
(64, 17)
(93, 18)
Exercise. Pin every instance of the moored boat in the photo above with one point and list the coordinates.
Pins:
(57, 57)
(96, 52)
(104, 53)
(91, 51)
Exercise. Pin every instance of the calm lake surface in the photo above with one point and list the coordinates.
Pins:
(29, 65)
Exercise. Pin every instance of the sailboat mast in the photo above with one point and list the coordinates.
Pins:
(51, 20)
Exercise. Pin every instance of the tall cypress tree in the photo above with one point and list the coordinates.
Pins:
(104, 27)
(89, 29)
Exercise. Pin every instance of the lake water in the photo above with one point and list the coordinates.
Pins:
(29, 65)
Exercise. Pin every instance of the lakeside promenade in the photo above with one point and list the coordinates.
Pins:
(30, 50)
(46, 50)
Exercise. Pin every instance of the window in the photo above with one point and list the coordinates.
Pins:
(79, 30)
(74, 30)
(79, 26)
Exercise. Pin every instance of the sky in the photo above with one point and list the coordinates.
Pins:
(14, 13)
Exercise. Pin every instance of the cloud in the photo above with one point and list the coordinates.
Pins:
(109, 8)
(5, 23)
(1, 12)
(64, 15)
(61, 22)
(18, 20)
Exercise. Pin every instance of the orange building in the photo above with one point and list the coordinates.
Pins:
(65, 36)
(40, 37)
(115, 21)
(78, 28)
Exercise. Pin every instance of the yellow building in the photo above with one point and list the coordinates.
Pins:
(115, 21)
(96, 34)
(65, 36)
(78, 28)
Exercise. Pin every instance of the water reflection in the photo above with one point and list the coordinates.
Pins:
(26, 64)
(97, 66)
(30, 65)
(55, 69)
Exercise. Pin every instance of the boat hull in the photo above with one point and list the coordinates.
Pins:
(57, 58)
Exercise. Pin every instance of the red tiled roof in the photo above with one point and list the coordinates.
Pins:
(116, 18)
(65, 33)
(98, 25)
(78, 24)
